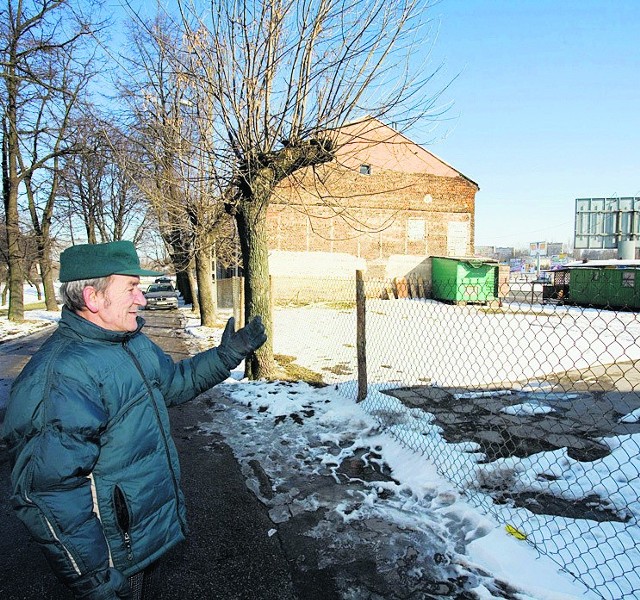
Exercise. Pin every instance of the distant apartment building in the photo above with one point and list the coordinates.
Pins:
(501, 253)
(486, 251)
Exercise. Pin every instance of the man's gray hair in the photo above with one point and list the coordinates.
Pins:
(71, 291)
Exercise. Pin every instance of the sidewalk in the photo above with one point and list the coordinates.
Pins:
(228, 553)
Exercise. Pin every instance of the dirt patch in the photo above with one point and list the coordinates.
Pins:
(591, 507)
(505, 423)
(290, 371)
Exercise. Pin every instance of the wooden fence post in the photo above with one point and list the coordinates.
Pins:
(361, 337)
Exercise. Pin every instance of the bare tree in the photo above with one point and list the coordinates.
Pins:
(285, 76)
(96, 189)
(174, 169)
(56, 133)
(40, 40)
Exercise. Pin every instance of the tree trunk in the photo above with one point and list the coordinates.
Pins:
(193, 286)
(10, 148)
(183, 267)
(204, 274)
(16, 272)
(43, 246)
(256, 189)
(252, 229)
(180, 250)
(46, 274)
(183, 284)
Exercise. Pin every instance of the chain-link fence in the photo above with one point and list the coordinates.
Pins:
(531, 409)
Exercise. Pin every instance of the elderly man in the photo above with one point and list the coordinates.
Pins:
(95, 471)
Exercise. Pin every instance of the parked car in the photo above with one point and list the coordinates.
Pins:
(161, 295)
(164, 279)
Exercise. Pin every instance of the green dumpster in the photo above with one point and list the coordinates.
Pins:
(463, 280)
(606, 286)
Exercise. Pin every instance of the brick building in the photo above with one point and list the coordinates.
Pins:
(383, 196)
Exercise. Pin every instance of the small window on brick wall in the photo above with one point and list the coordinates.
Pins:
(416, 230)
(365, 169)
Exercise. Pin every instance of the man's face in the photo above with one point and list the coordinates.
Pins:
(118, 305)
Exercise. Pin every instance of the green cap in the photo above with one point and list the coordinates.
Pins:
(88, 261)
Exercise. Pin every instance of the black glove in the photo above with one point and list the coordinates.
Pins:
(108, 584)
(235, 346)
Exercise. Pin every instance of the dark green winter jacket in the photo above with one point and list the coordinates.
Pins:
(95, 471)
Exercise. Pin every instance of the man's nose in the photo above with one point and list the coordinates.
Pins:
(140, 299)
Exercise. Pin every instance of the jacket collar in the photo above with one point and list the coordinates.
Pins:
(73, 325)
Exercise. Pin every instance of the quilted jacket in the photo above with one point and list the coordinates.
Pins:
(95, 472)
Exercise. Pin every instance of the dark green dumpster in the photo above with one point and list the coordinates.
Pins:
(607, 286)
(462, 280)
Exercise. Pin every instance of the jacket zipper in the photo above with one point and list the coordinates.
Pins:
(127, 545)
(162, 431)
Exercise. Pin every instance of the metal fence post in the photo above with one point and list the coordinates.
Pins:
(361, 338)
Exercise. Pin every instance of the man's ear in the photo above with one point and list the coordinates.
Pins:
(90, 296)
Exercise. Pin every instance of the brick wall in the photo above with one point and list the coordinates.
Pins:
(370, 216)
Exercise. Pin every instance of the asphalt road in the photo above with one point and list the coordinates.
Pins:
(13, 356)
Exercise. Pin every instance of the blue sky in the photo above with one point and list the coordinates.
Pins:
(546, 109)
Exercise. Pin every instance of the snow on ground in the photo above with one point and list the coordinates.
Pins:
(421, 496)
(422, 505)
(527, 408)
(34, 319)
(413, 342)
(509, 346)
(422, 499)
